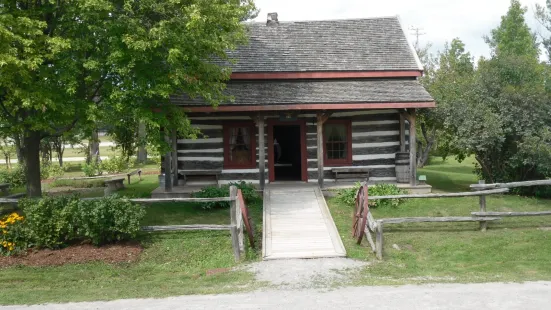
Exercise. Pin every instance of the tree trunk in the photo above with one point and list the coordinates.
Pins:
(31, 150)
(142, 152)
(18, 149)
(60, 156)
(8, 161)
(94, 146)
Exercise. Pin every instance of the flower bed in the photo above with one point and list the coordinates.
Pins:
(56, 222)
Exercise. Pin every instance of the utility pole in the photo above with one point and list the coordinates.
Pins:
(417, 32)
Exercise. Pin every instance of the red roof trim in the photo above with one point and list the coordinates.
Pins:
(313, 106)
(322, 75)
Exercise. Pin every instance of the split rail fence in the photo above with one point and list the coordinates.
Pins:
(239, 218)
(364, 224)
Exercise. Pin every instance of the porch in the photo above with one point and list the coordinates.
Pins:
(369, 141)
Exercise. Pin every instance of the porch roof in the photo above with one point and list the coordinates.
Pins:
(266, 95)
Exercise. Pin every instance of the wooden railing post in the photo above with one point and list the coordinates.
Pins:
(482, 202)
(233, 224)
(379, 239)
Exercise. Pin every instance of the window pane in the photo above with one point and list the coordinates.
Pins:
(240, 145)
(336, 143)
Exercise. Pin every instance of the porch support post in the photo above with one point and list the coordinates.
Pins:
(174, 135)
(322, 117)
(261, 151)
(402, 133)
(167, 164)
(412, 148)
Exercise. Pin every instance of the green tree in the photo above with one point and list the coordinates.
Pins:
(513, 36)
(446, 77)
(502, 117)
(63, 63)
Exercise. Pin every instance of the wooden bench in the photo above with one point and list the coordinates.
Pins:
(138, 172)
(5, 188)
(113, 185)
(199, 173)
(351, 173)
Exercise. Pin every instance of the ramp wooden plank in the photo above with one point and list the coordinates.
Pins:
(298, 224)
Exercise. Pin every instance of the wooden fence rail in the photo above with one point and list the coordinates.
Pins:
(483, 217)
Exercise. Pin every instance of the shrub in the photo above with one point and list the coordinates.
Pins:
(108, 219)
(51, 170)
(386, 190)
(348, 195)
(54, 222)
(92, 169)
(115, 164)
(13, 238)
(56, 171)
(247, 189)
(14, 177)
(50, 220)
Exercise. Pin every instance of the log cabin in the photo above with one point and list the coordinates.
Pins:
(314, 101)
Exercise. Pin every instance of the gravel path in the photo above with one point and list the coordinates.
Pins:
(305, 273)
(525, 296)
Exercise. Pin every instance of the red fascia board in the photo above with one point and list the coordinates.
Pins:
(312, 106)
(322, 75)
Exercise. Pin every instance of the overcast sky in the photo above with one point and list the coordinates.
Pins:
(440, 20)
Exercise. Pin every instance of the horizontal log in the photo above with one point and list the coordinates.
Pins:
(200, 172)
(350, 170)
(351, 175)
(512, 184)
(92, 178)
(185, 227)
(399, 220)
(153, 200)
(462, 194)
(502, 214)
(146, 200)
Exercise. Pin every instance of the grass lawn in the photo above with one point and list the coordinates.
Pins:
(171, 264)
(513, 249)
(449, 175)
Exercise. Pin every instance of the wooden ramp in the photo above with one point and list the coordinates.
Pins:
(297, 224)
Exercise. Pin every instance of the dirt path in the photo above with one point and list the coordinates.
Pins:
(525, 296)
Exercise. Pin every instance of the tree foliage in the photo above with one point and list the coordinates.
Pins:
(499, 112)
(69, 63)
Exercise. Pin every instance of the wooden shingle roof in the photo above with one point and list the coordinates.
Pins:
(289, 92)
(372, 44)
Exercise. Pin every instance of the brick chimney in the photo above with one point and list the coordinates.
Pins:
(272, 19)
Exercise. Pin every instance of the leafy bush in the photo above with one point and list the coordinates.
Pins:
(51, 170)
(54, 222)
(78, 183)
(92, 169)
(108, 219)
(386, 190)
(115, 164)
(247, 189)
(50, 220)
(348, 195)
(13, 238)
(14, 177)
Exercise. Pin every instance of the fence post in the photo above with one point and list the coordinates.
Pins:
(482, 201)
(379, 239)
(234, 228)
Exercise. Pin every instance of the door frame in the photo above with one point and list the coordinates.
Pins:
(303, 149)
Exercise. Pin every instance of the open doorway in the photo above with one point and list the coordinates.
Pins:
(287, 157)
